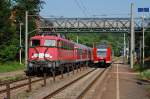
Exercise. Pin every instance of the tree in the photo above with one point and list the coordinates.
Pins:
(89, 38)
(7, 32)
(11, 14)
(147, 42)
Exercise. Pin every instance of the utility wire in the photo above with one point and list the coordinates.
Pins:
(111, 14)
(84, 7)
(80, 7)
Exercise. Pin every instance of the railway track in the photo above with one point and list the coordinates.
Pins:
(7, 87)
(77, 88)
(101, 76)
(13, 85)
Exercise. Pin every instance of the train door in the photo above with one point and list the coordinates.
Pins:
(80, 51)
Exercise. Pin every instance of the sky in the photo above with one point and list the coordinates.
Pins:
(92, 8)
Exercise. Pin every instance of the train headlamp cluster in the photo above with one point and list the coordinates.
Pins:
(41, 55)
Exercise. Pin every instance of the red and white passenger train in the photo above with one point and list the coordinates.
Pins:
(102, 55)
(49, 51)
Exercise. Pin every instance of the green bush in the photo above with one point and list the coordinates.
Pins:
(137, 67)
(8, 53)
(145, 74)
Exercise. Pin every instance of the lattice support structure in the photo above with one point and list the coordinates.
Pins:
(88, 25)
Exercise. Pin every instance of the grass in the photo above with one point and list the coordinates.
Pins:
(145, 75)
(144, 70)
(14, 78)
(11, 66)
(137, 67)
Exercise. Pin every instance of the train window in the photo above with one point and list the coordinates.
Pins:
(69, 46)
(63, 44)
(50, 43)
(66, 45)
(59, 44)
(35, 43)
(72, 46)
(80, 51)
(101, 52)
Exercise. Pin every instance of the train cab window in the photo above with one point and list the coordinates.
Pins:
(64, 45)
(101, 52)
(35, 43)
(50, 43)
(59, 44)
(80, 51)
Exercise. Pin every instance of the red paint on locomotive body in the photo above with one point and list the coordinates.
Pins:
(45, 49)
(51, 48)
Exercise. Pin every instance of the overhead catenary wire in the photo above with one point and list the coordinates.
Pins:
(84, 7)
(112, 15)
(81, 7)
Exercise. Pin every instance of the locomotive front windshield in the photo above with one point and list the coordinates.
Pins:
(101, 52)
(35, 43)
(50, 43)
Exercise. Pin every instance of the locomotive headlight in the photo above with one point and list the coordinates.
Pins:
(35, 55)
(47, 55)
(50, 56)
(30, 64)
(49, 65)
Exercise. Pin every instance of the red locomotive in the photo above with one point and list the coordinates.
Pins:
(102, 55)
(49, 51)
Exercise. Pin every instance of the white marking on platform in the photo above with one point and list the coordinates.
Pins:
(128, 73)
(117, 85)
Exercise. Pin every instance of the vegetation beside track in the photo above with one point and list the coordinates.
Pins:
(10, 79)
(144, 70)
(12, 13)
(11, 66)
(144, 74)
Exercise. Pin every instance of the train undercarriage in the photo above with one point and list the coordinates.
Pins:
(50, 67)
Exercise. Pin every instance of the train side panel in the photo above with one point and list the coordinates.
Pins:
(109, 56)
(95, 58)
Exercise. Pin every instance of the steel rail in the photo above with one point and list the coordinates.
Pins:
(20, 85)
(66, 85)
(11, 82)
(81, 95)
(29, 81)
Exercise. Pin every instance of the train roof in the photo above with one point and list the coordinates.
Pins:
(44, 36)
(103, 46)
(50, 37)
(50, 33)
(57, 36)
(82, 46)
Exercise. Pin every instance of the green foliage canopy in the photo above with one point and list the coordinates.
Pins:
(11, 14)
